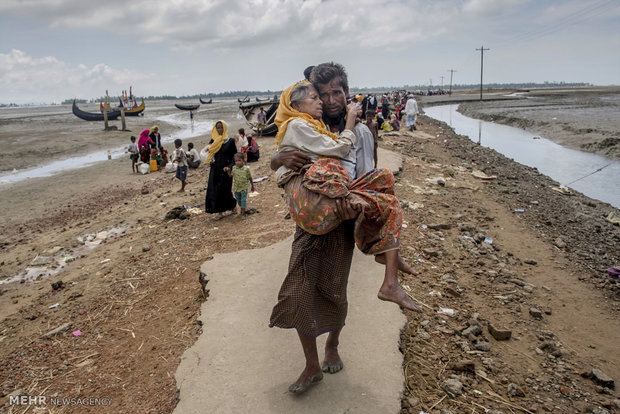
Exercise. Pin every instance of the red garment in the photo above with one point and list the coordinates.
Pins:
(312, 200)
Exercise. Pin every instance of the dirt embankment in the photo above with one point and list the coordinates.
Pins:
(581, 119)
(538, 273)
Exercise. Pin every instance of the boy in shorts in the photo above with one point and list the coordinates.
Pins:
(242, 179)
(181, 160)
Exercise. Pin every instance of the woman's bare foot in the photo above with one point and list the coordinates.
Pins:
(305, 381)
(396, 294)
(332, 362)
(402, 265)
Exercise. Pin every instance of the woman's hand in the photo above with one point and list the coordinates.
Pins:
(345, 210)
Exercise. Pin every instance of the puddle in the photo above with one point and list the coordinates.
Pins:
(43, 267)
(562, 164)
(189, 129)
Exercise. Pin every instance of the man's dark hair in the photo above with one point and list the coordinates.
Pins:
(178, 142)
(307, 72)
(326, 72)
(190, 145)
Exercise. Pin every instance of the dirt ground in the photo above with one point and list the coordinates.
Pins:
(134, 297)
(581, 118)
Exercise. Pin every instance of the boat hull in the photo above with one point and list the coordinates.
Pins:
(206, 102)
(187, 107)
(92, 116)
(250, 112)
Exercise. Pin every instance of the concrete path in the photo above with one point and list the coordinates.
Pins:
(241, 365)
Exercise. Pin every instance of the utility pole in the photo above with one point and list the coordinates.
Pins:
(482, 49)
(451, 72)
(441, 81)
(430, 81)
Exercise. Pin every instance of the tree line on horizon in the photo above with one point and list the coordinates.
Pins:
(378, 89)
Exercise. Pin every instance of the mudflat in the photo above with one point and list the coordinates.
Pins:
(508, 251)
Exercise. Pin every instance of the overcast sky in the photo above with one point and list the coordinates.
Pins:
(51, 50)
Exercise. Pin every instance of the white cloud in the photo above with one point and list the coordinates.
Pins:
(225, 24)
(25, 78)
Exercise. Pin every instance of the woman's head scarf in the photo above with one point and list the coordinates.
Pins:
(218, 140)
(286, 113)
(153, 129)
(144, 138)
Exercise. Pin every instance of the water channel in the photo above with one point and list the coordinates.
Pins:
(188, 129)
(562, 164)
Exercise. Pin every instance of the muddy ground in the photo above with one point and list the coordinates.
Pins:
(135, 297)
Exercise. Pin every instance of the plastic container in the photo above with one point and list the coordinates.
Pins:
(153, 164)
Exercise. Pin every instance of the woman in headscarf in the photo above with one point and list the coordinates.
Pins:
(221, 151)
(144, 146)
(161, 154)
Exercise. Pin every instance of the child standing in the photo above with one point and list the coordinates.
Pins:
(242, 179)
(133, 154)
(181, 160)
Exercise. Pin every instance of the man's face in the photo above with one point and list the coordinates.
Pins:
(334, 97)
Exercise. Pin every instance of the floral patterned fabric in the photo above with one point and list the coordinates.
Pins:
(311, 198)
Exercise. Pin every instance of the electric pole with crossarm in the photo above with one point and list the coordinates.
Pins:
(482, 49)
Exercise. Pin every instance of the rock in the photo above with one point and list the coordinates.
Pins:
(57, 285)
(452, 292)
(439, 226)
(492, 411)
(514, 390)
(413, 402)
(499, 334)
(536, 313)
(474, 330)
(452, 387)
(423, 335)
(490, 365)
(479, 237)
(530, 262)
(598, 410)
(146, 248)
(463, 366)
(467, 228)
(602, 379)
(483, 346)
(42, 260)
(430, 252)
(58, 331)
(559, 243)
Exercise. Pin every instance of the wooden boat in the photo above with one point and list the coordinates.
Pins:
(244, 100)
(251, 110)
(90, 116)
(187, 107)
(137, 111)
(261, 100)
(206, 102)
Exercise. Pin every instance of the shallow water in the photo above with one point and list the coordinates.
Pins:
(562, 164)
(189, 129)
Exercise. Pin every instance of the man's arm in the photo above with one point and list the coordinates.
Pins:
(293, 160)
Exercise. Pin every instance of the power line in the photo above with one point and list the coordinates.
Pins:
(451, 72)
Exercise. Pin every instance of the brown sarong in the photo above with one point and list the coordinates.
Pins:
(313, 296)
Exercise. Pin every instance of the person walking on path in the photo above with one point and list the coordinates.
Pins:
(311, 192)
(411, 109)
(220, 153)
(313, 296)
